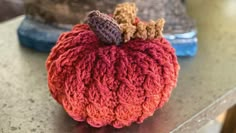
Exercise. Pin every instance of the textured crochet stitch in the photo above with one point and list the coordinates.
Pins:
(110, 85)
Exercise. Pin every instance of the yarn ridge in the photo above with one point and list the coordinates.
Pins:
(109, 84)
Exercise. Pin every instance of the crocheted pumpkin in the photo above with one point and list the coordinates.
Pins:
(110, 84)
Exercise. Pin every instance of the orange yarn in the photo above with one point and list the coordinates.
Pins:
(109, 84)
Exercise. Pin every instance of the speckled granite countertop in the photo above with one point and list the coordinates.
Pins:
(206, 87)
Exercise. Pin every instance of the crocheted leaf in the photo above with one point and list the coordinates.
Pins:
(105, 27)
(125, 13)
(141, 30)
(128, 31)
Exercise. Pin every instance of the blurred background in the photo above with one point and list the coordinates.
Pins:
(10, 9)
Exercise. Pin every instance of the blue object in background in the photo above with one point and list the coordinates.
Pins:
(38, 36)
(185, 44)
(42, 37)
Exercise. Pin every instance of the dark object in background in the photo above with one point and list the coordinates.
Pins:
(10, 9)
(65, 13)
(62, 14)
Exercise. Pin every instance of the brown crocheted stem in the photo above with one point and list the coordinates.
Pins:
(105, 27)
(126, 13)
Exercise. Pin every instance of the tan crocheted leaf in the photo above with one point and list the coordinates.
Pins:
(125, 13)
(159, 27)
(151, 31)
(128, 31)
(141, 31)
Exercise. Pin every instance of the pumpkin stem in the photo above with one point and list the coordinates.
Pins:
(105, 27)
